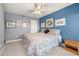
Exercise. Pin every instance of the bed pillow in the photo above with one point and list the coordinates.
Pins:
(46, 31)
(55, 31)
(42, 30)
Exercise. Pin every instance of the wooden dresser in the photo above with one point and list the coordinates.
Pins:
(72, 44)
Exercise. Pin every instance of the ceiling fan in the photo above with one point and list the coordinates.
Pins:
(38, 9)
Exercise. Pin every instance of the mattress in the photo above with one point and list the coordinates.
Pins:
(40, 43)
(57, 51)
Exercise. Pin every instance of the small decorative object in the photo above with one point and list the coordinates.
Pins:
(26, 25)
(42, 24)
(49, 22)
(10, 24)
(60, 22)
(46, 31)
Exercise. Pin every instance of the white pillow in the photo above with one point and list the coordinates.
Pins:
(55, 31)
(42, 30)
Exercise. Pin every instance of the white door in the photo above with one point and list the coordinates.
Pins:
(34, 26)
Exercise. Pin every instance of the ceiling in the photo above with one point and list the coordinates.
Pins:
(23, 8)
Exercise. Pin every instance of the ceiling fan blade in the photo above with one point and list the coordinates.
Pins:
(37, 6)
(41, 7)
(32, 12)
(46, 9)
(35, 13)
(29, 11)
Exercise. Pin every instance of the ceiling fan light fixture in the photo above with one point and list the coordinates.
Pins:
(37, 12)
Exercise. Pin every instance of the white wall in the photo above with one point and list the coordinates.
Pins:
(13, 33)
(1, 25)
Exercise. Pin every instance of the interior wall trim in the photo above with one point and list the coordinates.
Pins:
(2, 49)
(13, 40)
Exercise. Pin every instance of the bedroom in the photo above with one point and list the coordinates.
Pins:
(25, 24)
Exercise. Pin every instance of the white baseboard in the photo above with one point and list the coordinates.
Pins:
(2, 49)
(13, 40)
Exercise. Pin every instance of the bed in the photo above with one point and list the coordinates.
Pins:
(40, 44)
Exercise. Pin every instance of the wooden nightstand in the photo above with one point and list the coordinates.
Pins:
(72, 44)
(78, 51)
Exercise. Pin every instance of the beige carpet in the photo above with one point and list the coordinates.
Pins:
(14, 49)
(17, 49)
(58, 51)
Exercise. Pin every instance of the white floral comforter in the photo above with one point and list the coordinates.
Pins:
(40, 44)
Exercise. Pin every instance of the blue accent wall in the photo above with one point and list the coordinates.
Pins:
(71, 14)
